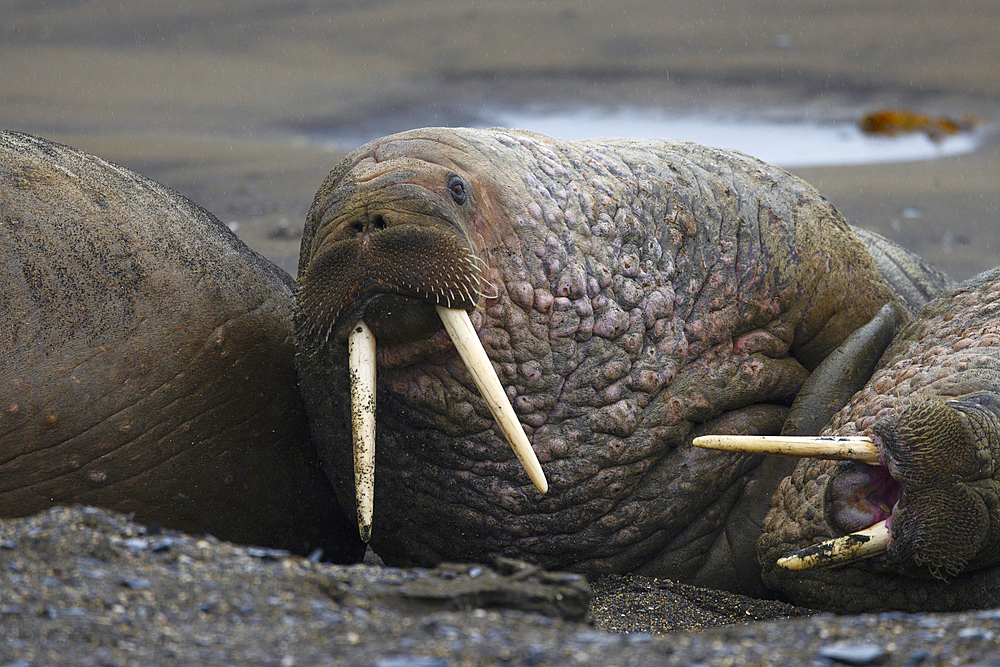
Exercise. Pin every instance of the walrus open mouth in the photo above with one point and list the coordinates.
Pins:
(869, 490)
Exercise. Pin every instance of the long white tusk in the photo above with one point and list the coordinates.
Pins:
(469, 347)
(840, 550)
(855, 448)
(361, 349)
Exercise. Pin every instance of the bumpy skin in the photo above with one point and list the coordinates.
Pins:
(640, 293)
(147, 360)
(933, 407)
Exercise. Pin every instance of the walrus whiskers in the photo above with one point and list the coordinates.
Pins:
(361, 349)
(841, 550)
(837, 448)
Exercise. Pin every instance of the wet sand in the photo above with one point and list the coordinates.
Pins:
(226, 103)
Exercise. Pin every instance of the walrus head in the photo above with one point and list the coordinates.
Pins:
(392, 254)
(387, 254)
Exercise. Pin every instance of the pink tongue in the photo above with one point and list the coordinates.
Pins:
(859, 495)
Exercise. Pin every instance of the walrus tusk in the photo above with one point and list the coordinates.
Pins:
(838, 448)
(361, 348)
(463, 335)
(838, 551)
(841, 550)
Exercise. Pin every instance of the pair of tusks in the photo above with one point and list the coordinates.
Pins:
(838, 551)
(361, 350)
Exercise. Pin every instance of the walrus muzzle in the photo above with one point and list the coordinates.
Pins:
(424, 266)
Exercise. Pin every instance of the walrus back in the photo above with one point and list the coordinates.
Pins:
(147, 358)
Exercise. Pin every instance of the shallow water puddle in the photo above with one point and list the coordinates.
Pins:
(786, 144)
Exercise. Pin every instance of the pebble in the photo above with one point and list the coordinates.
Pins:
(267, 554)
(215, 603)
(853, 654)
(162, 545)
(136, 583)
(975, 633)
(412, 661)
(136, 544)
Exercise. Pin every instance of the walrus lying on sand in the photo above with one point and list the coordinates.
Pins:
(631, 296)
(147, 362)
(925, 493)
(625, 297)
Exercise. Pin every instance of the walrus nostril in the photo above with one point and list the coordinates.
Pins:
(373, 224)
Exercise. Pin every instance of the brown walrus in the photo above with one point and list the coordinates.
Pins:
(929, 488)
(629, 295)
(148, 361)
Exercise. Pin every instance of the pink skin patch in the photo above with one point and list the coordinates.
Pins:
(859, 495)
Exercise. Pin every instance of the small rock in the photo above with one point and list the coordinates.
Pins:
(265, 553)
(136, 583)
(975, 633)
(136, 544)
(853, 654)
(412, 661)
(162, 545)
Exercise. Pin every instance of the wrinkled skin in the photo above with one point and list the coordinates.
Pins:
(933, 408)
(638, 293)
(147, 361)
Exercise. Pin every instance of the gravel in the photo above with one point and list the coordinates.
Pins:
(82, 586)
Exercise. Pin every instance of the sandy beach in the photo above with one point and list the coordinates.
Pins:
(244, 106)
(232, 103)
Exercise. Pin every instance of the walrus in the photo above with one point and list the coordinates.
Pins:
(633, 295)
(148, 361)
(904, 500)
(630, 295)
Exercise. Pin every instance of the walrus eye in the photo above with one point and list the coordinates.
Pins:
(457, 188)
